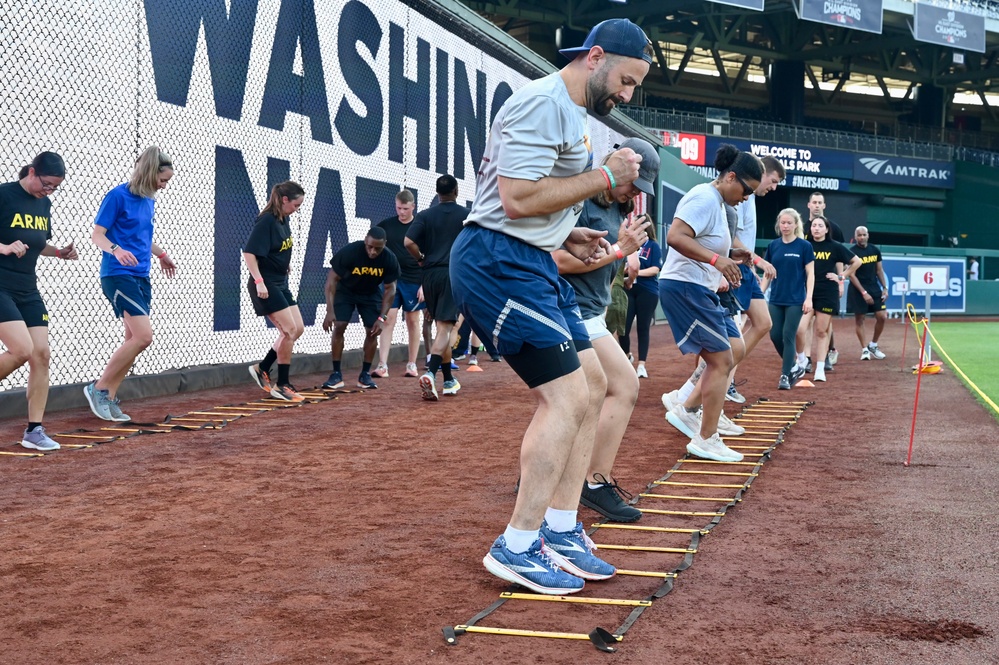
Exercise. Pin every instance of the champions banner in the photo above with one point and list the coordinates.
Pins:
(866, 15)
(755, 5)
(949, 27)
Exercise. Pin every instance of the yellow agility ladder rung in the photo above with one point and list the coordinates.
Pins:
(88, 436)
(646, 573)
(134, 430)
(239, 408)
(716, 473)
(575, 599)
(525, 633)
(687, 498)
(728, 438)
(658, 529)
(689, 460)
(750, 438)
(2, 452)
(681, 513)
(646, 548)
(674, 484)
(194, 420)
(212, 413)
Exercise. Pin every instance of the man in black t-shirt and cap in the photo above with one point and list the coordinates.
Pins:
(356, 272)
(429, 240)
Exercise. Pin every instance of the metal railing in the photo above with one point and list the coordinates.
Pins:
(665, 120)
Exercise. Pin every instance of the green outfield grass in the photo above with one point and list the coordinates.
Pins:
(973, 347)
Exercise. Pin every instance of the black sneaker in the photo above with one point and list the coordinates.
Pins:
(797, 373)
(828, 365)
(607, 501)
(784, 383)
(808, 367)
(364, 381)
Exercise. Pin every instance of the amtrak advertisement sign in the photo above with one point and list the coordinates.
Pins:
(900, 291)
(904, 171)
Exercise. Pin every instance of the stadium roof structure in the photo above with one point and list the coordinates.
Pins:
(711, 51)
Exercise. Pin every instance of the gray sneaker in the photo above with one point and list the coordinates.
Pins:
(38, 440)
(98, 401)
(688, 423)
(116, 413)
(712, 448)
(727, 428)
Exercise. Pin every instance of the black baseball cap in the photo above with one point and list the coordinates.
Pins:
(616, 35)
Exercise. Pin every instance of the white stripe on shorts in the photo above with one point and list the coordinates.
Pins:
(694, 325)
(118, 294)
(512, 305)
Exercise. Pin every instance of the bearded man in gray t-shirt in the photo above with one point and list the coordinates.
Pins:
(536, 171)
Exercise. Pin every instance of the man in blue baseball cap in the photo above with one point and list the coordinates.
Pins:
(535, 173)
(617, 35)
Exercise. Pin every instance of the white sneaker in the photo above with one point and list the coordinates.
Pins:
(642, 374)
(865, 354)
(876, 352)
(833, 357)
(688, 423)
(820, 372)
(727, 428)
(671, 399)
(712, 448)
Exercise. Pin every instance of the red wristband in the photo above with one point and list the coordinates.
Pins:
(258, 281)
(756, 261)
(713, 259)
(606, 178)
(162, 255)
(617, 250)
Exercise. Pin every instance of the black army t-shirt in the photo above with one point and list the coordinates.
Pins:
(361, 274)
(26, 218)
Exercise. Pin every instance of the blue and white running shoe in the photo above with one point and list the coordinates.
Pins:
(532, 569)
(573, 552)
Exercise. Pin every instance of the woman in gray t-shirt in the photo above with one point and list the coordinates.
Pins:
(701, 253)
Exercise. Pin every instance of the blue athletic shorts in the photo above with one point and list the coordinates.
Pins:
(128, 294)
(512, 294)
(749, 289)
(696, 318)
(406, 296)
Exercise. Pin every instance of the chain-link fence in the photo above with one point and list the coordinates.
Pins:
(354, 100)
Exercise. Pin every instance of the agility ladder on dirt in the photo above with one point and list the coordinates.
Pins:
(215, 418)
(765, 422)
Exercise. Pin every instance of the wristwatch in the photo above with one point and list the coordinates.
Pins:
(114, 246)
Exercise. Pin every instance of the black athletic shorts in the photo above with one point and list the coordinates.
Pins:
(26, 306)
(855, 303)
(345, 302)
(826, 302)
(437, 294)
(278, 296)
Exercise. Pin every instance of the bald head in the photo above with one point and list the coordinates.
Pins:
(861, 235)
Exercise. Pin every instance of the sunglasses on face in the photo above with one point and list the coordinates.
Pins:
(746, 189)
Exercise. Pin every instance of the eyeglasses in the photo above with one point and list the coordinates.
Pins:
(48, 186)
(746, 189)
